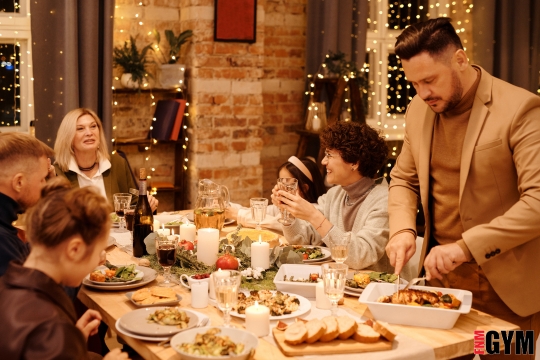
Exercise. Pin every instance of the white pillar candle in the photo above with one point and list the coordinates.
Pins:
(157, 224)
(260, 254)
(321, 300)
(164, 232)
(220, 274)
(258, 319)
(199, 295)
(187, 232)
(172, 237)
(208, 246)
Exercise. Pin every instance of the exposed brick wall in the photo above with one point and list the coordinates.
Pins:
(283, 84)
(245, 99)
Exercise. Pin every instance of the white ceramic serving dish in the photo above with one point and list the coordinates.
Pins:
(305, 289)
(414, 315)
(247, 338)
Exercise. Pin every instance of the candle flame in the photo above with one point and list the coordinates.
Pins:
(172, 231)
(256, 304)
(260, 239)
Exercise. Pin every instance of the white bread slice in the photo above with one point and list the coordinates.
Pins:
(332, 330)
(296, 333)
(346, 327)
(385, 330)
(365, 334)
(315, 329)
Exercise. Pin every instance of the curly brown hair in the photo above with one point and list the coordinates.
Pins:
(357, 143)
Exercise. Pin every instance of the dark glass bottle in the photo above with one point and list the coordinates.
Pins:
(143, 221)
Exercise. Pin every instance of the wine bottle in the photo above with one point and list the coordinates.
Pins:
(143, 221)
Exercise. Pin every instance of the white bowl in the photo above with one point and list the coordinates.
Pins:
(305, 289)
(249, 340)
(414, 315)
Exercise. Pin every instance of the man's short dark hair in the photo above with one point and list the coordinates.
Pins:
(433, 36)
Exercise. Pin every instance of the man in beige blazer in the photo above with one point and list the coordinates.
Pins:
(471, 156)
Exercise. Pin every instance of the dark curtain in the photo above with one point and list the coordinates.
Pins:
(336, 26)
(506, 36)
(72, 42)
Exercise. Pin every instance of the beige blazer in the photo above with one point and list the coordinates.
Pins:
(499, 191)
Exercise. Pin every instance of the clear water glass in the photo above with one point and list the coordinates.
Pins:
(334, 278)
(122, 201)
(289, 185)
(339, 247)
(226, 285)
(258, 210)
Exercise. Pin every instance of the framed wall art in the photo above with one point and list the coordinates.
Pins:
(235, 20)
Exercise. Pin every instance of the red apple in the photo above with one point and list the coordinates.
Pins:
(187, 245)
(227, 262)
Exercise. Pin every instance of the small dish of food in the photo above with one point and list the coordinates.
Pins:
(159, 321)
(154, 296)
(357, 282)
(215, 343)
(282, 305)
(298, 278)
(426, 306)
(114, 275)
(312, 253)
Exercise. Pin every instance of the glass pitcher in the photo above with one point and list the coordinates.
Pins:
(212, 200)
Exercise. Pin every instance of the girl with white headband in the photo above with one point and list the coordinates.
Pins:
(310, 186)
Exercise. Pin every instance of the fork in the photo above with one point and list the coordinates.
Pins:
(167, 343)
(414, 282)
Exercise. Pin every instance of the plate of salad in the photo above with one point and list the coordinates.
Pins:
(312, 253)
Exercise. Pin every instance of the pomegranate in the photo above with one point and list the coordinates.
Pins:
(187, 245)
(227, 262)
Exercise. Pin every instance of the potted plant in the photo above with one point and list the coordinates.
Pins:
(132, 62)
(171, 74)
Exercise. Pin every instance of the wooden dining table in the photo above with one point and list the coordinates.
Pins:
(444, 344)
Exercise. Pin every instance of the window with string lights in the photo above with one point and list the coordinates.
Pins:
(16, 87)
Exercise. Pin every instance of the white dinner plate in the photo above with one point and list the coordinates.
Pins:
(138, 277)
(123, 331)
(326, 254)
(148, 277)
(137, 322)
(304, 307)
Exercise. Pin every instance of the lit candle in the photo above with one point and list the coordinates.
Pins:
(258, 319)
(187, 232)
(220, 274)
(260, 254)
(171, 237)
(157, 224)
(164, 232)
(199, 295)
(208, 246)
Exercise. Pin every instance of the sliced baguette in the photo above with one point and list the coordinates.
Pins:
(332, 330)
(315, 329)
(346, 326)
(385, 330)
(296, 333)
(365, 334)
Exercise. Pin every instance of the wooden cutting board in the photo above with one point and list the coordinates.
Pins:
(349, 346)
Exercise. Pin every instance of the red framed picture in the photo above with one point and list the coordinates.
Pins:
(235, 20)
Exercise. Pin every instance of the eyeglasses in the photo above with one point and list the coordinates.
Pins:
(329, 156)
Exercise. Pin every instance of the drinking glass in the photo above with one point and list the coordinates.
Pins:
(166, 254)
(334, 277)
(339, 247)
(122, 202)
(289, 185)
(258, 210)
(226, 285)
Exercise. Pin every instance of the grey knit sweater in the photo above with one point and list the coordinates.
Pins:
(369, 234)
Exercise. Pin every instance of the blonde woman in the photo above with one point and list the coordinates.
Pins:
(83, 158)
